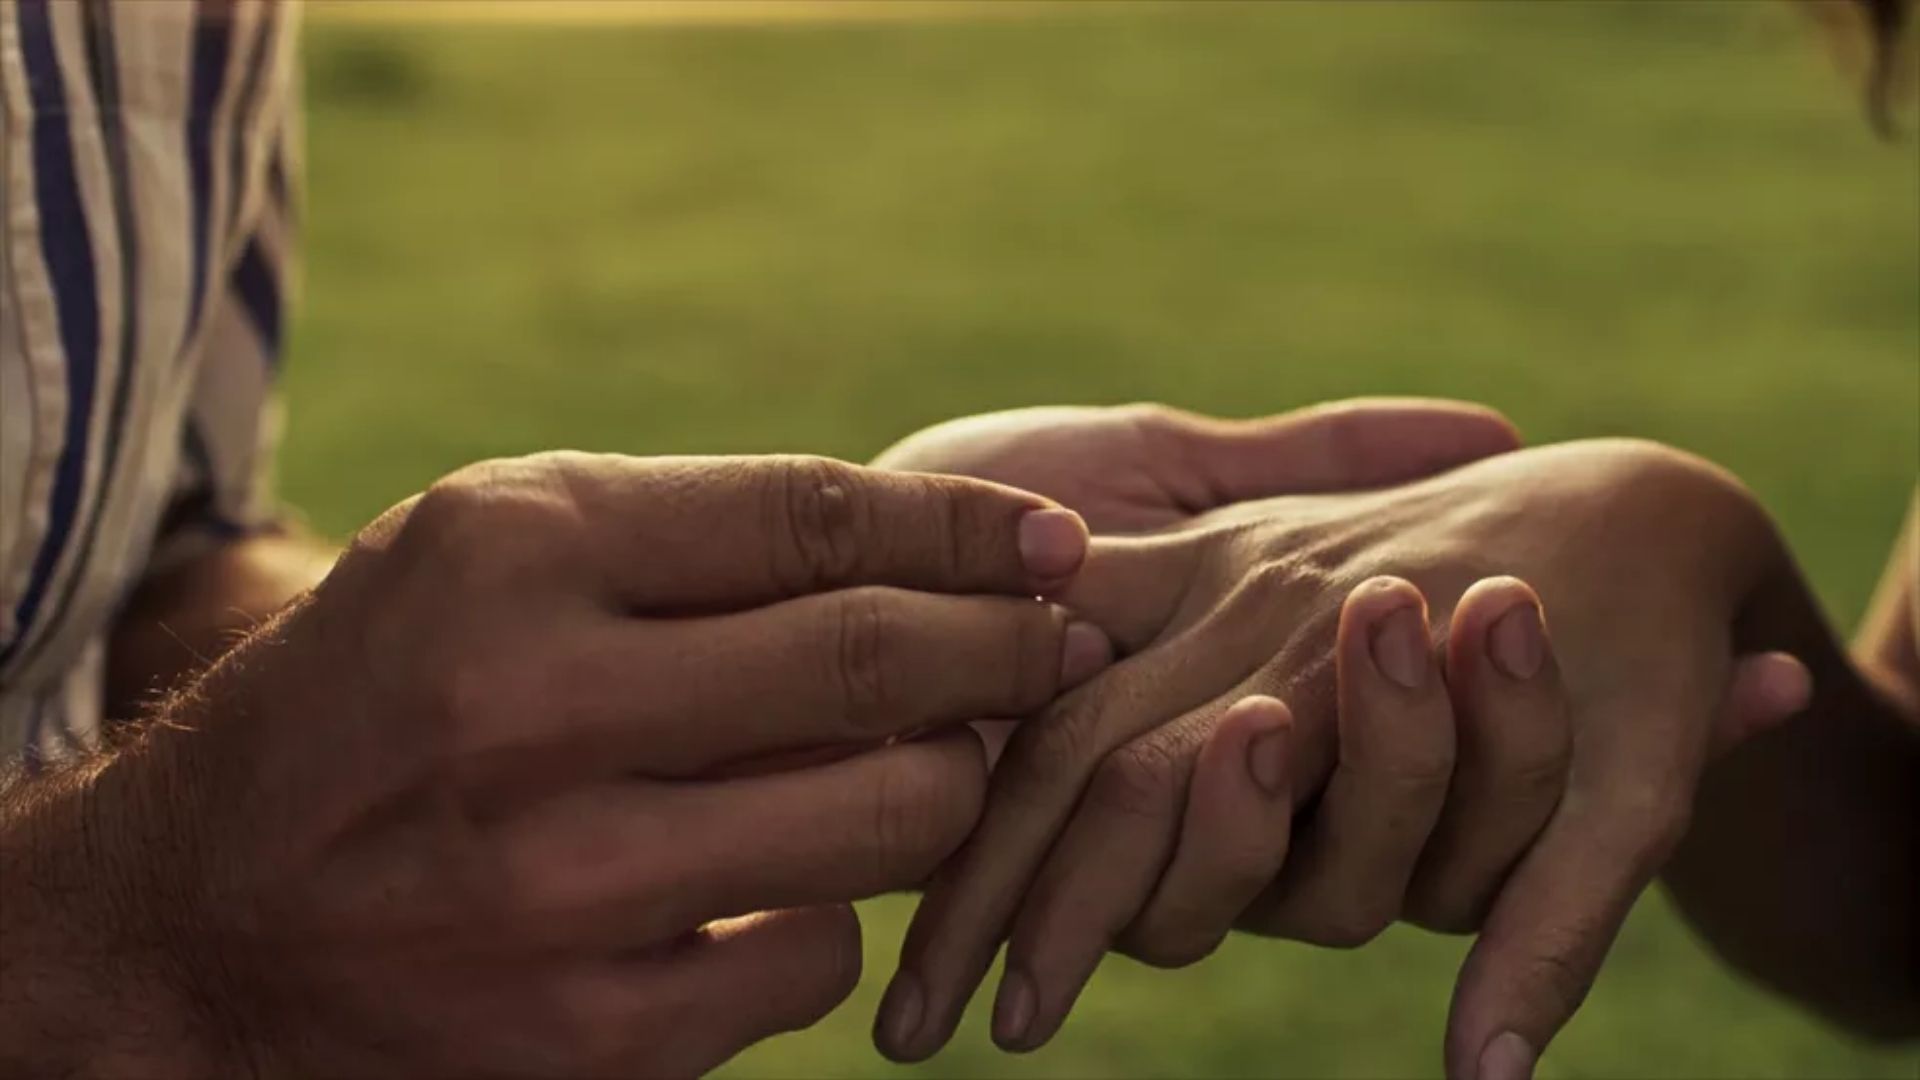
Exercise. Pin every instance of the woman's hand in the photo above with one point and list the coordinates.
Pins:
(1130, 469)
(1139, 468)
(1643, 555)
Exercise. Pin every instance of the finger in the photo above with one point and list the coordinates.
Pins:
(855, 666)
(1136, 869)
(637, 862)
(704, 534)
(1551, 926)
(1348, 874)
(1035, 787)
(1096, 878)
(1233, 838)
(684, 1010)
(1765, 690)
(1364, 442)
(1133, 587)
(1514, 736)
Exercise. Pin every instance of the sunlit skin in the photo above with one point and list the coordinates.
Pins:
(572, 765)
(452, 811)
(496, 793)
(1483, 753)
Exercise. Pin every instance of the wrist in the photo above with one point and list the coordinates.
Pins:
(93, 977)
(180, 620)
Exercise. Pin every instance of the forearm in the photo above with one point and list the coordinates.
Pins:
(180, 621)
(1801, 864)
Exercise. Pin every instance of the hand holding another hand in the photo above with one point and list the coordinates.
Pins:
(1505, 780)
(461, 810)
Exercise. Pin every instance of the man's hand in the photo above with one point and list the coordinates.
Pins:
(1091, 838)
(475, 805)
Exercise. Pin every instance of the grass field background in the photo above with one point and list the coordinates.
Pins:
(1664, 219)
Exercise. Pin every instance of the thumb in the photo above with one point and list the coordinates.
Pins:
(1764, 691)
(1358, 443)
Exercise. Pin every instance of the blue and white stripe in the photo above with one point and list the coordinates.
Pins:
(147, 149)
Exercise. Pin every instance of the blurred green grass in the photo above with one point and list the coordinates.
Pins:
(1664, 219)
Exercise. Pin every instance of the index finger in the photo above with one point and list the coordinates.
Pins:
(673, 535)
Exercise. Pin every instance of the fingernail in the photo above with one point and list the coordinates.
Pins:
(901, 1010)
(1267, 761)
(1013, 1009)
(1084, 653)
(1507, 1057)
(1400, 647)
(1052, 543)
(1517, 642)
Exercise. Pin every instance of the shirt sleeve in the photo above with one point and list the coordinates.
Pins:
(224, 485)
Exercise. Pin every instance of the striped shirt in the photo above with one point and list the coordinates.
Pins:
(146, 229)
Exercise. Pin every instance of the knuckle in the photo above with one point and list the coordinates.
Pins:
(446, 525)
(1247, 873)
(1653, 821)
(862, 653)
(1447, 910)
(818, 508)
(1139, 780)
(1241, 860)
(371, 546)
(1288, 581)
(1553, 978)
(1539, 774)
(1638, 819)
(1414, 768)
(1057, 748)
(1349, 927)
(966, 522)
(1440, 919)
(1342, 427)
(920, 817)
(1270, 582)
(1166, 433)
(492, 520)
(1154, 416)
(1425, 765)
(840, 966)
(1170, 948)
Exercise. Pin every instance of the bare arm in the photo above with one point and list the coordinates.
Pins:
(180, 620)
(1803, 864)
